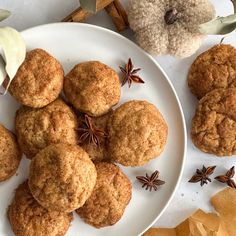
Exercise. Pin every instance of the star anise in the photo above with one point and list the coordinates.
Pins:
(227, 178)
(130, 74)
(88, 132)
(150, 182)
(202, 175)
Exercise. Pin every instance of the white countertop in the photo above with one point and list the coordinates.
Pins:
(28, 13)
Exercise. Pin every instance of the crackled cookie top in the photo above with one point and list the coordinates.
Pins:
(92, 87)
(137, 133)
(10, 154)
(109, 199)
(36, 128)
(213, 69)
(39, 79)
(62, 177)
(214, 124)
(28, 218)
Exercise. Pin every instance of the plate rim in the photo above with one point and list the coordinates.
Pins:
(116, 34)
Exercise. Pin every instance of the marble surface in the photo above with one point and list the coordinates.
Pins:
(28, 13)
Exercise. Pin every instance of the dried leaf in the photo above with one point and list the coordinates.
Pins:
(4, 14)
(14, 50)
(219, 25)
(160, 232)
(89, 5)
(198, 224)
(225, 204)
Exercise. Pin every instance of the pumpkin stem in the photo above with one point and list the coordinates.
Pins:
(171, 16)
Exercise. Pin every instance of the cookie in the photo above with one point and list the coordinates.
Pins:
(213, 69)
(109, 199)
(36, 128)
(28, 218)
(96, 152)
(38, 81)
(10, 154)
(214, 124)
(92, 87)
(62, 177)
(137, 133)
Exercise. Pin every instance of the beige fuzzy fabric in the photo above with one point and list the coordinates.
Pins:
(182, 38)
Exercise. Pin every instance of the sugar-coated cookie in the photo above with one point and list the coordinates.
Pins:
(213, 69)
(109, 199)
(28, 218)
(10, 154)
(214, 124)
(137, 133)
(62, 177)
(36, 128)
(92, 87)
(39, 79)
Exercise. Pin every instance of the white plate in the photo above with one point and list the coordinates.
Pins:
(72, 43)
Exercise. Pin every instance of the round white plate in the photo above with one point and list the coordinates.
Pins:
(73, 43)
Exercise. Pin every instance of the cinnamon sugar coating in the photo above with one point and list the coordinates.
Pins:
(36, 128)
(213, 69)
(62, 177)
(137, 133)
(10, 154)
(28, 218)
(109, 199)
(38, 81)
(214, 124)
(92, 87)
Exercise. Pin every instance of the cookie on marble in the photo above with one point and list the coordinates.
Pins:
(214, 124)
(62, 177)
(137, 133)
(27, 217)
(213, 69)
(92, 87)
(109, 199)
(36, 128)
(38, 81)
(10, 154)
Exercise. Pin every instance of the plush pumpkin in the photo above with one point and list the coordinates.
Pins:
(169, 26)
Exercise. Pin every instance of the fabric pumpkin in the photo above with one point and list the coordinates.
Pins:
(169, 26)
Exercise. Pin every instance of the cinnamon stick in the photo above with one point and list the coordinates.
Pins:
(113, 7)
(80, 15)
(116, 11)
(122, 11)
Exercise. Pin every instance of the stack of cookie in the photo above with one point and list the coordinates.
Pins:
(212, 78)
(73, 143)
